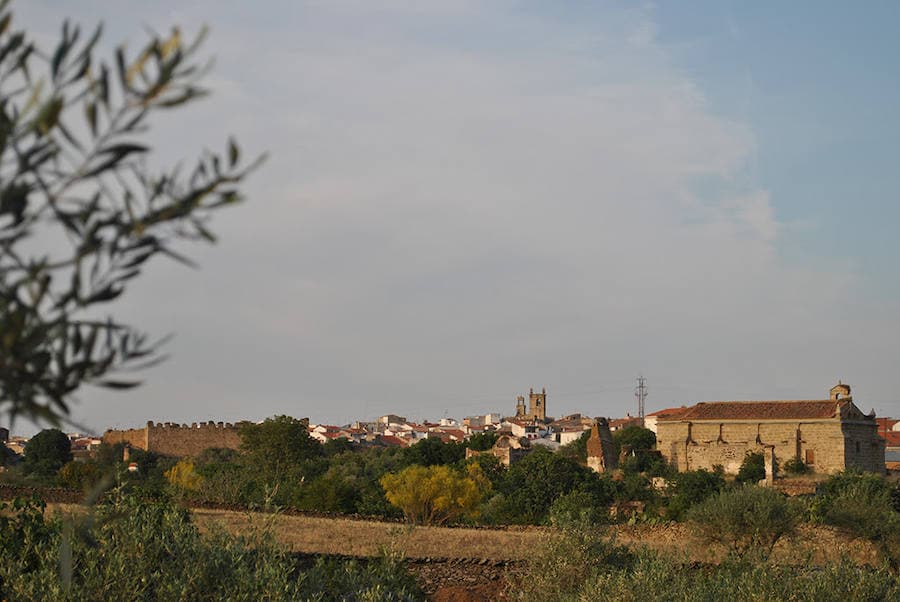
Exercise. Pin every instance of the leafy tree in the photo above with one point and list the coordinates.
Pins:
(481, 441)
(635, 437)
(432, 495)
(534, 482)
(47, 452)
(74, 176)
(184, 477)
(433, 451)
(279, 446)
(490, 466)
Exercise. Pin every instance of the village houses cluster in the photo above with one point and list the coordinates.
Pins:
(828, 435)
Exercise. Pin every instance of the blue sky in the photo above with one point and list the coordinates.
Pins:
(465, 200)
(818, 83)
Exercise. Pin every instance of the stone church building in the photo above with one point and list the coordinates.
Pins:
(828, 435)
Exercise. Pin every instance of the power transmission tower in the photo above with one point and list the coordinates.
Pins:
(640, 392)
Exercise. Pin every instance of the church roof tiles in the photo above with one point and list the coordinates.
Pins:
(757, 410)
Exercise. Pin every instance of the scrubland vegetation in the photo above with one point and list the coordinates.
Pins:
(141, 532)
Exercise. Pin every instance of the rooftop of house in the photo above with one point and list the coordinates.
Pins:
(667, 412)
(762, 410)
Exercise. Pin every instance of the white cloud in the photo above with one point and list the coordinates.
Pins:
(460, 206)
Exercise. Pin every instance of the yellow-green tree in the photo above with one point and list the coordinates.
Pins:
(432, 495)
(183, 476)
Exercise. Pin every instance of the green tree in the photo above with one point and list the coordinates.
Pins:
(279, 446)
(432, 495)
(433, 451)
(746, 520)
(74, 175)
(533, 483)
(47, 452)
(636, 437)
(481, 441)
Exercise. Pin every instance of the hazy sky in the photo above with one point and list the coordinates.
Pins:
(467, 199)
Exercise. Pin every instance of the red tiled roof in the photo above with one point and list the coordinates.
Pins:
(667, 412)
(892, 438)
(758, 410)
(395, 441)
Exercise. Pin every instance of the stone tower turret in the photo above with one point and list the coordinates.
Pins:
(840, 391)
(537, 404)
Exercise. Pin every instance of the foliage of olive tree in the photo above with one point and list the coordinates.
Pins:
(81, 212)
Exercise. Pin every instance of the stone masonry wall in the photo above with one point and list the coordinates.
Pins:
(133, 437)
(705, 444)
(864, 449)
(178, 440)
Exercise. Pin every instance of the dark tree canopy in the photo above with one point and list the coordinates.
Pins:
(636, 437)
(279, 445)
(81, 212)
(47, 452)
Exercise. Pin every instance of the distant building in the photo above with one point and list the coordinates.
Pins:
(537, 406)
(828, 435)
(650, 419)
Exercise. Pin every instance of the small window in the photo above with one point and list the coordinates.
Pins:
(810, 456)
(857, 447)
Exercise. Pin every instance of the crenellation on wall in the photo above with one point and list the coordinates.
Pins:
(177, 440)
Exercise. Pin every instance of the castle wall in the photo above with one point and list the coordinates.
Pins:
(136, 438)
(178, 440)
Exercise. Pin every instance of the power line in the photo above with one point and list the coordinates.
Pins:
(640, 392)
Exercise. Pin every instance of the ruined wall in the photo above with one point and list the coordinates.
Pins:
(601, 450)
(169, 439)
(133, 437)
(823, 445)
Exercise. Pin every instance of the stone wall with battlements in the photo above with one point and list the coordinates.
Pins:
(176, 440)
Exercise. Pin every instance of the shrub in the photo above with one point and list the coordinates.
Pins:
(567, 557)
(80, 475)
(753, 468)
(864, 509)
(432, 495)
(744, 520)
(796, 466)
(687, 489)
(131, 549)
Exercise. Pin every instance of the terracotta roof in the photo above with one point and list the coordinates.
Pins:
(667, 412)
(757, 410)
(393, 441)
(892, 438)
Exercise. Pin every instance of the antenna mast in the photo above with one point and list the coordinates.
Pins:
(640, 393)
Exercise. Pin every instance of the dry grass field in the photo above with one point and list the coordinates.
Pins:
(317, 535)
(369, 538)
(811, 545)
